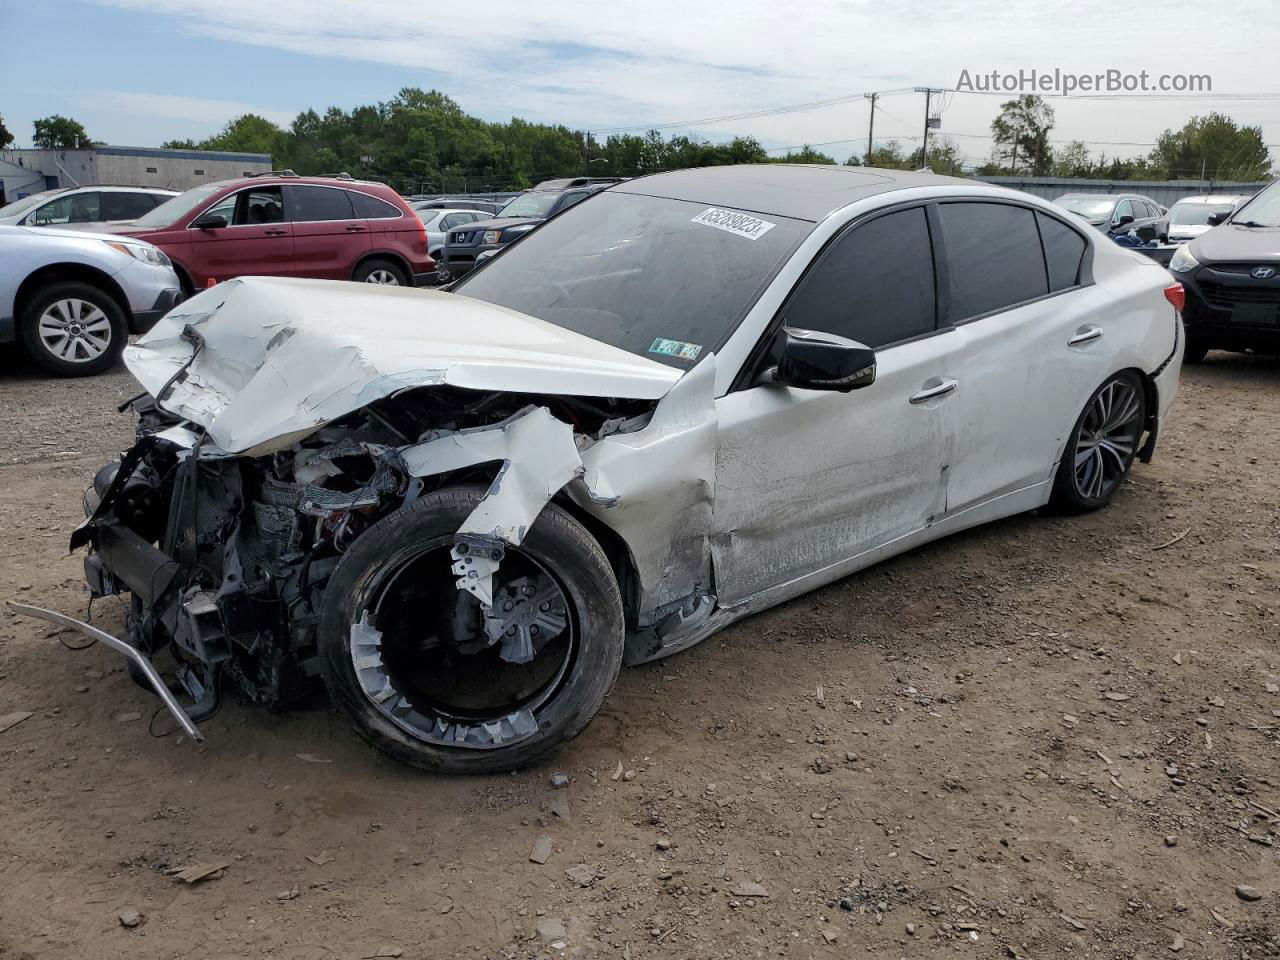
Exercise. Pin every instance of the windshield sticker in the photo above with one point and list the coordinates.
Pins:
(676, 348)
(730, 221)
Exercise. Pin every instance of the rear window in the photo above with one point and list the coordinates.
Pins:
(1063, 251)
(311, 203)
(993, 250)
(371, 208)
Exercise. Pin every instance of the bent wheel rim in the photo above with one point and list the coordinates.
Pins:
(383, 276)
(74, 330)
(1107, 439)
(424, 660)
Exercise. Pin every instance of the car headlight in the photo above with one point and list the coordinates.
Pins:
(1183, 261)
(491, 236)
(142, 251)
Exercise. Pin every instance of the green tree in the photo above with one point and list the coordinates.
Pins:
(60, 133)
(944, 158)
(805, 154)
(1021, 132)
(6, 137)
(1073, 160)
(1215, 145)
(888, 154)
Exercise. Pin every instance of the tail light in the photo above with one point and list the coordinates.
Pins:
(1176, 294)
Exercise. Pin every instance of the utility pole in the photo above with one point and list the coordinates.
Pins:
(871, 125)
(929, 122)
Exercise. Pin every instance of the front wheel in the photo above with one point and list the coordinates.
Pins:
(431, 678)
(73, 329)
(1102, 445)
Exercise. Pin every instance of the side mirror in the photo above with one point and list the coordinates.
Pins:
(1217, 218)
(1124, 219)
(210, 222)
(813, 360)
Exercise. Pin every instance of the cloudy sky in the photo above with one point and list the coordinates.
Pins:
(141, 71)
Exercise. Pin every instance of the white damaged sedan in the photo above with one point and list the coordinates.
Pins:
(689, 398)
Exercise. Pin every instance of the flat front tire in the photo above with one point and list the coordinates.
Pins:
(431, 679)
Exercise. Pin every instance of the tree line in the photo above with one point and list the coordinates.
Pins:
(423, 142)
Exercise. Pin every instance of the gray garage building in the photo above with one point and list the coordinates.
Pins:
(23, 172)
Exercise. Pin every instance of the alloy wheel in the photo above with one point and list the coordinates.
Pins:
(382, 276)
(74, 330)
(1107, 439)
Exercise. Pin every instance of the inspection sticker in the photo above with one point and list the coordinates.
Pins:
(675, 348)
(730, 221)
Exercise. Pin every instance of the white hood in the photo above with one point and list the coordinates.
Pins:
(282, 356)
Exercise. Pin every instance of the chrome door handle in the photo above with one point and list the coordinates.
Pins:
(1085, 335)
(938, 390)
(276, 233)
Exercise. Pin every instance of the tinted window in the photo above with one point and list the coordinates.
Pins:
(994, 258)
(569, 199)
(455, 220)
(319, 203)
(126, 206)
(639, 273)
(1063, 251)
(875, 285)
(1124, 209)
(371, 208)
(262, 205)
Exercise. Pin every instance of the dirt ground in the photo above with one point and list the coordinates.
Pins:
(1048, 738)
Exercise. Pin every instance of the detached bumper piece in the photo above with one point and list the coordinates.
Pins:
(134, 656)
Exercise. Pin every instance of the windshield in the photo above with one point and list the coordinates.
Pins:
(1263, 210)
(530, 205)
(19, 207)
(640, 274)
(1091, 208)
(1185, 213)
(174, 209)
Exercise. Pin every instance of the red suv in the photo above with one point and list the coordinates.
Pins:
(283, 225)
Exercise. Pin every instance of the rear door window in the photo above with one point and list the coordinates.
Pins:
(993, 257)
(311, 203)
(874, 285)
(371, 208)
(126, 206)
(72, 208)
(259, 206)
(1063, 252)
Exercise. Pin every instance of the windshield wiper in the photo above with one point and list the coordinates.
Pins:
(1251, 223)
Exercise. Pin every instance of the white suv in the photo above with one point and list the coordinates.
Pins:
(83, 207)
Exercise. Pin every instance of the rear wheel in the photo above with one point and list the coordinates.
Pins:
(1102, 445)
(380, 271)
(431, 678)
(73, 329)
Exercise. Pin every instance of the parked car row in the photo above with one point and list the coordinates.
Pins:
(83, 207)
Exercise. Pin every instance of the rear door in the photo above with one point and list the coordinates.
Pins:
(257, 240)
(1030, 326)
(328, 237)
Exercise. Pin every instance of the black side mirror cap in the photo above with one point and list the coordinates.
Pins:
(1217, 218)
(812, 360)
(1127, 218)
(210, 222)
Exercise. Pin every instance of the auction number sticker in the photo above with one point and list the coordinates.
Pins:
(730, 221)
(675, 348)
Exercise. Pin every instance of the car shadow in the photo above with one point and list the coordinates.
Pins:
(1220, 366)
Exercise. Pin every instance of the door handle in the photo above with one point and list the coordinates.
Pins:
(276, 233)
(1086, 334)
(940, 389)
(355, 228)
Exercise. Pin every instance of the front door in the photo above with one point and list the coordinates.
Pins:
(807, 480)
(257, 240)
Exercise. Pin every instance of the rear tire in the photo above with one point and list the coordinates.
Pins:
(73, 329)
(380, 271)
(1102, 445)
(388, 686)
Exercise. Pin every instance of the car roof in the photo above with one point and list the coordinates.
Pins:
(799, 191)
(1214, 198)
